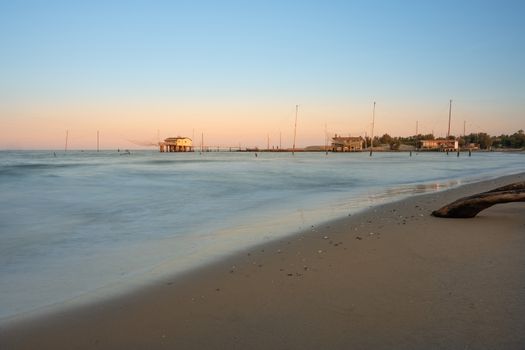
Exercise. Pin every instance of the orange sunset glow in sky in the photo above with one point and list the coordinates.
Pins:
(139, 72)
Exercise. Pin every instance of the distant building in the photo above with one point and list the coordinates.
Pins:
(176, 144)
(439, 145)
(347, 144)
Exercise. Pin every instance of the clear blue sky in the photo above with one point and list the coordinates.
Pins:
(397, 52)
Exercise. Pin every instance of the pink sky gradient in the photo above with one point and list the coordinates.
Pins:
(135, 124)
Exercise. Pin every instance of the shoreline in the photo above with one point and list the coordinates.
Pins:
(128, 265)
(357, 281)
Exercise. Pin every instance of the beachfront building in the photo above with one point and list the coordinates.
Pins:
(176, 144)
(347, 144)
(439, 145)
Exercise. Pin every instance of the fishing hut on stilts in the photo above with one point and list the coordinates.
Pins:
(176, 144)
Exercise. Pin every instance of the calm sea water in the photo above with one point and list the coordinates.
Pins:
(75, 225)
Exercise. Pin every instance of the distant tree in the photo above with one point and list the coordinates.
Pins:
(497, 141)
(485, 141)
(411, 140)
(395, 144)
(385, 139)
(517, 139)
(472, 138)
(426, 137)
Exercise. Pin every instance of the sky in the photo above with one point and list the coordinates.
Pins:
(140, 71)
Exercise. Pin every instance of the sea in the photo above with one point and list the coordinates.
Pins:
(81, 226)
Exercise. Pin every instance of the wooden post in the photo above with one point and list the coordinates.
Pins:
(325, 139)
(416, 143)
(449, 117)
(295, 129)
(372, 135)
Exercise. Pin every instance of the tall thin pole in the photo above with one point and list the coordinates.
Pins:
(98, 141)
(325, 139)
(417, 134)
(67, 136)
(372, 134)
(465, 134)
(295, 129)
(449, 117)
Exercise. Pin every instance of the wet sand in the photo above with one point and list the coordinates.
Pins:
(391, 277)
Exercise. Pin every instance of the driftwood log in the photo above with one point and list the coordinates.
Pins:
(470, 206)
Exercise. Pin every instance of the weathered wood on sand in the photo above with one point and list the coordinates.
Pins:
(470, 206)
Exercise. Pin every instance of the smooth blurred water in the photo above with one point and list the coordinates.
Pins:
(81, 221)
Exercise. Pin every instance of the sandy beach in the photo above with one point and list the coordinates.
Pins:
(391, 277)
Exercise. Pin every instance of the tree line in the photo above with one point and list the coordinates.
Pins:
(482, 140)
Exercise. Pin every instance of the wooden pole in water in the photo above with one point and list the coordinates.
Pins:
(325, 139)
(465, 134)
(295, 129)
(372, 135)
(417, 135)
(449, 118)
(67, 136)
